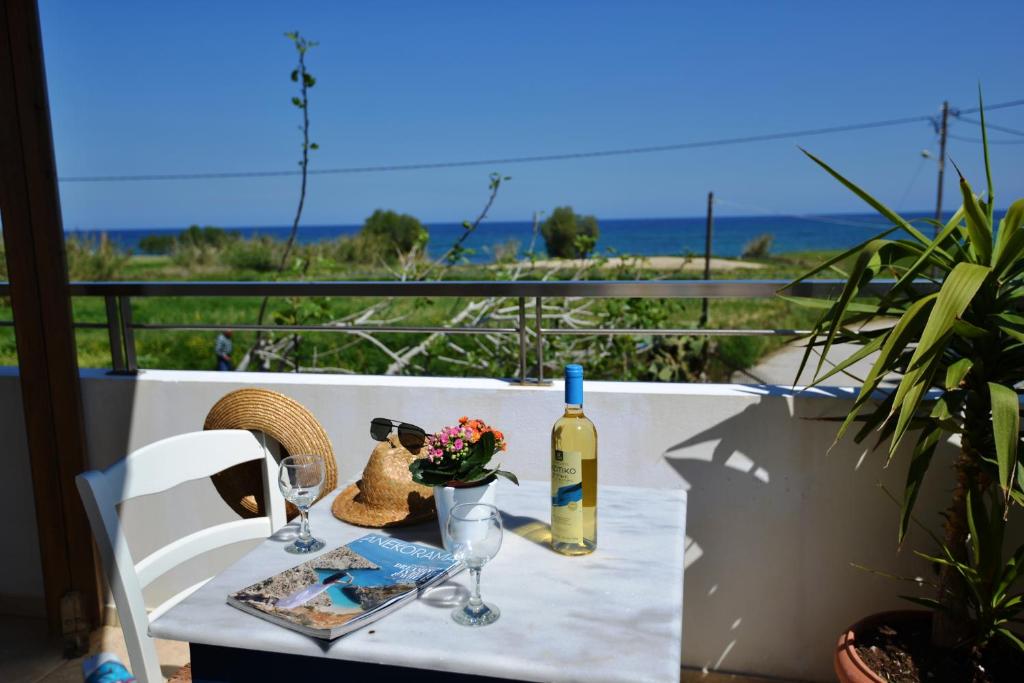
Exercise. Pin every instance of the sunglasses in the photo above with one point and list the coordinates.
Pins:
(410, 436)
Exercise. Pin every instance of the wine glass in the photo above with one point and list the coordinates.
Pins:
(474, 537)
(300, 478)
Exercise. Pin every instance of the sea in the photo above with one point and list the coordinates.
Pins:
(618, 236)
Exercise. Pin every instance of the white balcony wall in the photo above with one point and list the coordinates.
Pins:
(774, 522)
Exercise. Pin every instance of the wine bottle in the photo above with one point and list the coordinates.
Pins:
(574, 473)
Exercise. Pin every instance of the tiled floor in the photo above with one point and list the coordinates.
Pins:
(28, 655)
(698, 676)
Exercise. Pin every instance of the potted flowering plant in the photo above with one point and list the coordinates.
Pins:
(458, 465)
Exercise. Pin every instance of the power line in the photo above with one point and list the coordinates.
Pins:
(813, 218)
(520, 160)
(1002, 129)
(505, 160)
(990, 107)
(964, 138)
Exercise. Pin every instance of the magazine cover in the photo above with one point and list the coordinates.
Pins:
(348, 587)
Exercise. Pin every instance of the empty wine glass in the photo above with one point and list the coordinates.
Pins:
(474, 537)
(300, 478)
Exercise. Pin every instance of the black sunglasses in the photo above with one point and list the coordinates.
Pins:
(410, 436)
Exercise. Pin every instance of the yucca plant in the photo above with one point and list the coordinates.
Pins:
(950, 323)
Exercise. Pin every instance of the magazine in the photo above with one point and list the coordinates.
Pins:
(346, 588)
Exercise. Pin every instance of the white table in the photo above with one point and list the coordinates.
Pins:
(612, 616)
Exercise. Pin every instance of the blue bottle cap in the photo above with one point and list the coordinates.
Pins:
(574, 384)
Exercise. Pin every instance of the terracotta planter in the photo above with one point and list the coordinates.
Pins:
(849, 667)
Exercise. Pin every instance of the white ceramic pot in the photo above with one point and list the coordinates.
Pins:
(447, 497)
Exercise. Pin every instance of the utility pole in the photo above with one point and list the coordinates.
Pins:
(707, 276)
(707, 254)
(942, 164)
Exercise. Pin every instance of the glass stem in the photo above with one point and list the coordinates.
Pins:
(474, 598)
(304, 534)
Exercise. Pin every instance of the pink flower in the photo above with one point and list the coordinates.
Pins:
(458, 444)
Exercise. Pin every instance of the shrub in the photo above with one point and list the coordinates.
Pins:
(188, 255)
(201, 246)
(355, 249)
(394, 231)
(261, 254)
(758, 247)
(740, 353)
(507, 252)
(157, 244)
(207, 236)
(568, 234)
(91, 259)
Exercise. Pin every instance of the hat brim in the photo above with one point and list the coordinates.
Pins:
(281, 418)
(349, 508)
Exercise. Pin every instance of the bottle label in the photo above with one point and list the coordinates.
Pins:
(567, 497)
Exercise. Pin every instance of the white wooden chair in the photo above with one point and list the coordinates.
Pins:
(152, 469)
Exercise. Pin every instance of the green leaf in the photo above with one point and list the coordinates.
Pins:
(811, 302)
(871, 201)
(1011, 572)
(1010, 239)
(313, 145)
(979, 533)
(867, 264)
(927, 259)
(808, 348)
(919, 462)
(507, 475)
(956, 372)
(967, 330)
(1008, 635)
(863, 352)
(297, 102)
(927, 603)
(1013, 332)
(990, 201)
(897, 339)
(295, 75)
(485, 444)
(841, 257)
(979, 229)
(1006, 431)
(954, 297)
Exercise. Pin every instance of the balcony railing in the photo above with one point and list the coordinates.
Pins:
(121, 327)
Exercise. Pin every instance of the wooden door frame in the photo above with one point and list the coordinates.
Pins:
(47, 360)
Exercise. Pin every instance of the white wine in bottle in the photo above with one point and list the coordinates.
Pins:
(574, 473)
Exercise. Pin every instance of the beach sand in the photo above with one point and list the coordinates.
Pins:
(667, 263)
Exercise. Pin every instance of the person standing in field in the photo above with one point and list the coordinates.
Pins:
(222, 348)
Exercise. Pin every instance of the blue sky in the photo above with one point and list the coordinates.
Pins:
(199, 87)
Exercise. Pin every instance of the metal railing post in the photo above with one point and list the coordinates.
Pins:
(522, 340)
(129, 335)
(540, 342)
(114, 334)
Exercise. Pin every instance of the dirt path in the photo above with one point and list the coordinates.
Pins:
(669, 263)
(780, 366)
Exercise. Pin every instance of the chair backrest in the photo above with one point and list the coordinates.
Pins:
(152, 469)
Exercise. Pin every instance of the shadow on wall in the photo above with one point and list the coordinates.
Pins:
(765, 506)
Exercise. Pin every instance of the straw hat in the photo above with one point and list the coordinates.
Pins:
(286, 421)
(386, 495)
